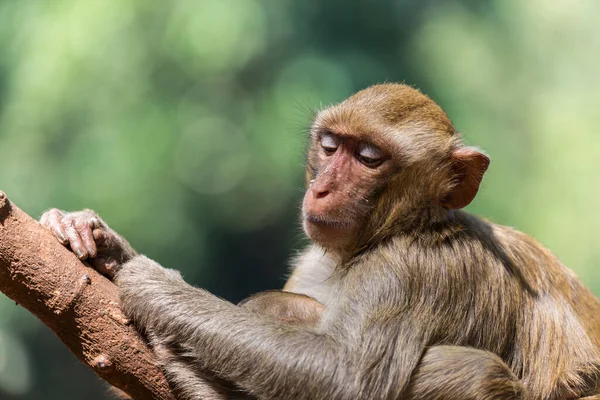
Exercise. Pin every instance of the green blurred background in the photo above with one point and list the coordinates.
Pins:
(182, 123)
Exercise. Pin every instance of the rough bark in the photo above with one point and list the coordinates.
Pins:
(78, 304)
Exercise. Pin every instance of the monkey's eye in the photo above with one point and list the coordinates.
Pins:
(369, 155)
(329, 143)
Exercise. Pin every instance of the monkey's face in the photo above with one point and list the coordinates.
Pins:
(340, 195)
(384, 160)
(366, 162)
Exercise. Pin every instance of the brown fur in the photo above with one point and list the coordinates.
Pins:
(417, 299)
(475, 283)
(289, 307)
(432, 379)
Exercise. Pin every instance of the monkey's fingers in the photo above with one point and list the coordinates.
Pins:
(86, 228)
(52, 219)
(104, 239)
(107, 266)
(73, 230)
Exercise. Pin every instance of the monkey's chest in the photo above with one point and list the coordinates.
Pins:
(316, 283)
(320, 292)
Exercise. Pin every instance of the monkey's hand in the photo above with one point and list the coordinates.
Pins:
(90, 238)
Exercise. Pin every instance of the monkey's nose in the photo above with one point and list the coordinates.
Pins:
(320, 193)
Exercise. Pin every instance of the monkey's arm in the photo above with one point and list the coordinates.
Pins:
(269, 358)
(89, 237)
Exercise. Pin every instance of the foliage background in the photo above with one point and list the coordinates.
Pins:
(182, 123)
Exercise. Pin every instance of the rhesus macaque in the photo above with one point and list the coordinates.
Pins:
(415, 299)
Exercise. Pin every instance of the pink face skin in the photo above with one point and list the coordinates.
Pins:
(337, 199)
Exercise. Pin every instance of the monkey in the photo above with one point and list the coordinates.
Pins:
(286, 306)
(420, 299)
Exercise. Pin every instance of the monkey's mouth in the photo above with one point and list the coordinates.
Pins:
(328, 222)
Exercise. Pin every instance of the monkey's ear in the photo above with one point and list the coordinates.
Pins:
(468, 167)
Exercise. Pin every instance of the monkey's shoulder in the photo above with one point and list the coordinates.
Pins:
(511, 248)
(501, 253)
(469, 249)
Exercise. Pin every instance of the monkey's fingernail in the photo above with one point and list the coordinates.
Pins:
(80, 254)
(62, 237)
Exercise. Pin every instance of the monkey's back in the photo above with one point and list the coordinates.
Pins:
(556, 345)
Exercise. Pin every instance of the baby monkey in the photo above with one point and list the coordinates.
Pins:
(400, 295)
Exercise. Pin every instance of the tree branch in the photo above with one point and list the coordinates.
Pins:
(78, 304)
